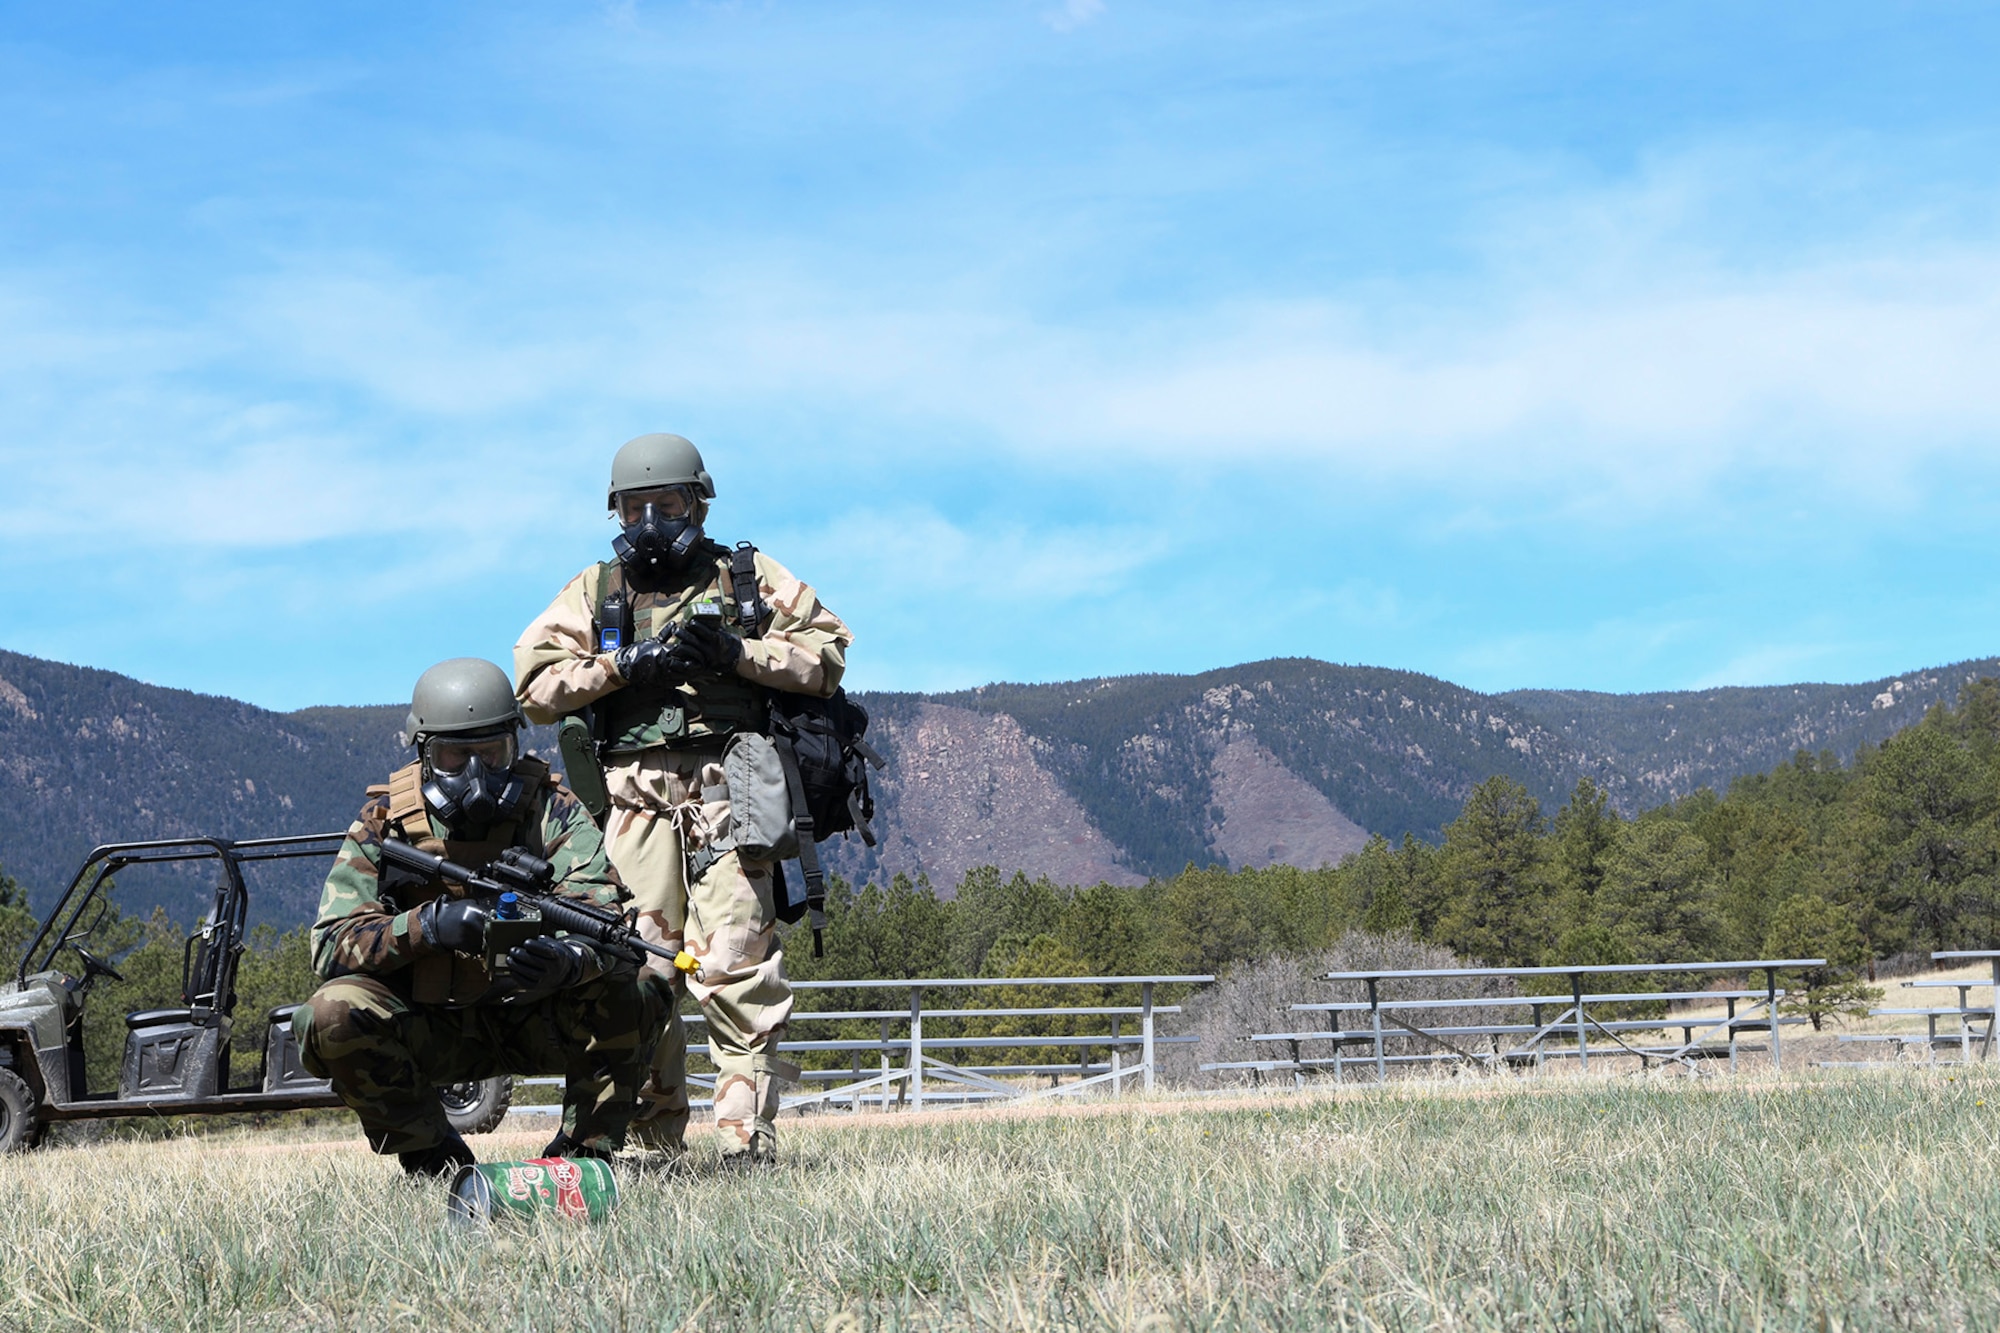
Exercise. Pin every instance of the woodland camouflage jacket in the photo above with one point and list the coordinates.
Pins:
(367, 917)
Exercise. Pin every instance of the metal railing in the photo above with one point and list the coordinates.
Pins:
(1967, 1018)
(905, 1071)
(1541, 1037)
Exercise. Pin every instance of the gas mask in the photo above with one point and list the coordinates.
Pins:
(660, 530)
(469, 782)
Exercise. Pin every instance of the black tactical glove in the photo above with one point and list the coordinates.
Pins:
(545, 965)
(644, 663)
(457, 925)
(699, 647)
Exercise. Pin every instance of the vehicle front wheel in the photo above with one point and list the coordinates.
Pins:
(18, 1104)
(477, 1107)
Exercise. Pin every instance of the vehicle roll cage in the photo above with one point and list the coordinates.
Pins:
(208, 978)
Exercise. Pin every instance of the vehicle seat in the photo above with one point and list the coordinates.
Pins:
(147, 1018)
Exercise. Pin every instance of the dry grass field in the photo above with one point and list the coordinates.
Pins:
(1820, 1201)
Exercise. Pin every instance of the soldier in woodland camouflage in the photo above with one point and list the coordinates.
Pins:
(663, 707)
(408, 1002)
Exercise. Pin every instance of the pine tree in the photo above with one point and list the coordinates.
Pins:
(1932, 835)
(1583, 834)
(17, 922)
(1657, 893)
(1374, 889)
(1808, 926)
(1496, 898)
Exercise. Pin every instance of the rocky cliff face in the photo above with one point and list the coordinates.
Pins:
(1270, 815)
(967, 789)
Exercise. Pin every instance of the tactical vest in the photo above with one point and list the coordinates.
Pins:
(697, 713)
(450, 978)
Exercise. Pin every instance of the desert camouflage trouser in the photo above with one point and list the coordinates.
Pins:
(726, 917)
(387, 1056)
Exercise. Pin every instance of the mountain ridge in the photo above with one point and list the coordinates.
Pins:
(1116, 778)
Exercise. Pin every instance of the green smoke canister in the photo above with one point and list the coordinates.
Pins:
(583, 1189)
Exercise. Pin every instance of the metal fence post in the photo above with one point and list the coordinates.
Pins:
(1771, 996)
(1582, 1031)
(1375, 1009)
(1117, 1063)
(1335, 1023)
(1146, 1029)
(916, 1048)
(883, 1096)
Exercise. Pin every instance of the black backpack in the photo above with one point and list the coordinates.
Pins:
(826, 759)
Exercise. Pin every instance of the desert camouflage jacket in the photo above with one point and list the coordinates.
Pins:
(558, 670)
(368, 923)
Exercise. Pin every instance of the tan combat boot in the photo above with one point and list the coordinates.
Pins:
(746, 1111)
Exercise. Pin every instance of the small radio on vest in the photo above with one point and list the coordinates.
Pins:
(614, 628)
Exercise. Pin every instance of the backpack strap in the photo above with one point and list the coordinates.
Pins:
(743, 579)
(861, 797)
(802, 826)
(610, 580)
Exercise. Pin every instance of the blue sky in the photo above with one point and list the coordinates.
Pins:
(1616, 347)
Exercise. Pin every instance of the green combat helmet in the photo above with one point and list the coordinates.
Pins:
(463, 717)
(659, 459)
(659, 493)
(460, 697)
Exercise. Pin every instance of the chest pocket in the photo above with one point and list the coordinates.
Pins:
(696, 713)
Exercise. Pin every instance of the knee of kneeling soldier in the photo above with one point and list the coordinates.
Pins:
(337, 1017)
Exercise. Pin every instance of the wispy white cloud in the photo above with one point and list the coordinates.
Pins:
(1656, 384)
(1010, 566)
(1855, 373)
(888, 264)
(1682, 369)
(1072, 14)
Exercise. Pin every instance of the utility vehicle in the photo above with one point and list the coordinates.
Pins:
(176, 1060)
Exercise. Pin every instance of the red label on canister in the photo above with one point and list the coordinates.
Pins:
(584, 1190)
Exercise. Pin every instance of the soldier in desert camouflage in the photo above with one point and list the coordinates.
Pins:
(408, 1002)
(671, 647)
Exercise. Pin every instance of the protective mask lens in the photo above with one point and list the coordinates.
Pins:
(668, 502)
(450, 754)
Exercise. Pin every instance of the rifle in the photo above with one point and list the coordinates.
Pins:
(540, 912)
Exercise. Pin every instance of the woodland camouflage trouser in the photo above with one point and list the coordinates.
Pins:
(387, 1056)
(727, 918)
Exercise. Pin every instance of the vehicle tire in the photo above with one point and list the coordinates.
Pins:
(19, 1127)
(475, 1108)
